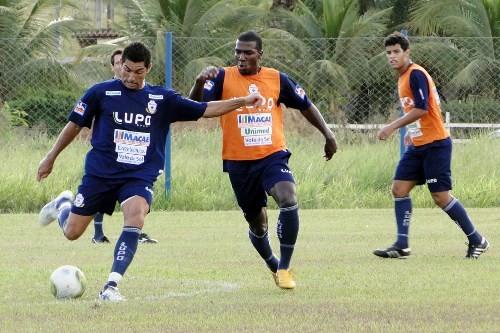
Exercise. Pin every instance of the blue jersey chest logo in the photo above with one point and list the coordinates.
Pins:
(136, 119)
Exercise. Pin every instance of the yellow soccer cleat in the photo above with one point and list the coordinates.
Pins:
(284, 279)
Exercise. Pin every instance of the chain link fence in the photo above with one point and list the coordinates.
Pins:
(348, 79)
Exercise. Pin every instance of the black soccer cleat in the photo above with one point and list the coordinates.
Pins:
(103, 239)
(393, 252)
(475, 250)
(144, 238)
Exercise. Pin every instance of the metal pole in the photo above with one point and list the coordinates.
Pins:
(402, 130)
(168, 84)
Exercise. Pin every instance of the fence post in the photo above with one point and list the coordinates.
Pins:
(168, 84)
(402, 130)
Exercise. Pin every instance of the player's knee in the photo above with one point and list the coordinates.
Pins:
(288, 200)
(71, 234)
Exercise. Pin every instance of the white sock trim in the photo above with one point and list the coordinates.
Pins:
(115, 277)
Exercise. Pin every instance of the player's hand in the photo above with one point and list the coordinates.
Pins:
(407, 139)
(330, 148)
(208, 73)
(254, 100)
(45, 168)
(385, 132)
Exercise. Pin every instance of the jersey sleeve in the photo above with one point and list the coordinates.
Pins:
(185, 109)
(212, 90)
(85, 109)
(420, 89)
(292, 94)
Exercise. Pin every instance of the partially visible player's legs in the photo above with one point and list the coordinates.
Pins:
(284, 193)
(259, 236)
(73, 225)
(452, 206)
(437, 164)
(99, 236)
(134, 211)
(403, 209)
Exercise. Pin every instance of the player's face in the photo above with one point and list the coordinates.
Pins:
(133, 74)
(117, 66)
(397, 58)
(247, 57)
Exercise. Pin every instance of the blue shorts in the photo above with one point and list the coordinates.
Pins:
(99, 195)
(252, 187)
(427, 164)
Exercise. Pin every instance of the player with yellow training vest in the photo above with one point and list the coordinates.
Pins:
(254, 149)
(427, 158)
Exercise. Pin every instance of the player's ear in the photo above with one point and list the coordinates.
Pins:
(149, 67)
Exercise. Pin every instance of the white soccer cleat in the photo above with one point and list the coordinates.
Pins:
(111, 294)
(49, 212)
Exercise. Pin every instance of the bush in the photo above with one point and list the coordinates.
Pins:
(473, 110)
(47, 109)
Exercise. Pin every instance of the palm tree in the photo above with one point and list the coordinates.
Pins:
(480, 19)
(30, 41)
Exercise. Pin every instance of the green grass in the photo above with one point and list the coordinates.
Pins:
(358, 176)
(204, 276)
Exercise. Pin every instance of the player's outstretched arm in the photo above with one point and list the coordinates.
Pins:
(209, 73)
(67, 135)
(314, 117)
(219, 108)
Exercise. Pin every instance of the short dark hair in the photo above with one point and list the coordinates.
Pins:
(115, 52)
(251, 36)
(397, 38)
(137, 52)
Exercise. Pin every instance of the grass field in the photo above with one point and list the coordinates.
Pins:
(204, 276)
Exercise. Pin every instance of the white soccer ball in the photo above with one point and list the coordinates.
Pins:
(67, 282)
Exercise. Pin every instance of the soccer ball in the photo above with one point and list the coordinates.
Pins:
(67, 282)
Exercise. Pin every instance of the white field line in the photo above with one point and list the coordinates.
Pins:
(200, 288)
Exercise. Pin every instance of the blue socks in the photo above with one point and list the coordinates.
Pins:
(458, 214)
(98, 232)
(263, 247)
(125, 249)
(287, 230)
(64, 208)
(403, 209)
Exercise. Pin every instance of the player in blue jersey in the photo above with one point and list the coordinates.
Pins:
(132, 119)
(99, 236)
(254, 150)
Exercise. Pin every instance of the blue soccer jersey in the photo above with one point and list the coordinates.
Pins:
(130, 127)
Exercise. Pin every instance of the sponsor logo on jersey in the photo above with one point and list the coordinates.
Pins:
(151, 107)
(253, 88)
(131, 138)
(407, 102)
(247, 131)
(130, 158)
(80, 108)
(130, 149)
(113, 93)
(255, 119)
(208, 85)
(155, 96)
(137, 119)
(300, 91)
(257, 140)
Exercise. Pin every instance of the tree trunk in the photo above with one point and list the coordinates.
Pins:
(98, 11)
(286, 4)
